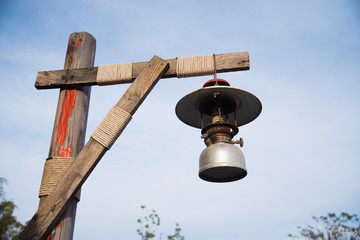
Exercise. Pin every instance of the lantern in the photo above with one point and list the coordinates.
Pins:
(218, 110)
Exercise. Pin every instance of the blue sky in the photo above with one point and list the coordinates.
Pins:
(302, 152)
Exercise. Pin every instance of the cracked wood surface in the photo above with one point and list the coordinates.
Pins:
(228, 62)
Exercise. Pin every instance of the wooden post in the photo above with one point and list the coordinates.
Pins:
(50, 211)
(69, 130)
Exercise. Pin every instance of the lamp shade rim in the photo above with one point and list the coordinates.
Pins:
(247, 106)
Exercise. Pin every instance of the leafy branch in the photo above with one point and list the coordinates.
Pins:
(331, 227)
(10, 228)
(148, 226)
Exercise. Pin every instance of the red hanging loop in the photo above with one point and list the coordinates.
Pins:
(216, 82)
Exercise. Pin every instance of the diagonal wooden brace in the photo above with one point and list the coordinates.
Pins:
(50, 211)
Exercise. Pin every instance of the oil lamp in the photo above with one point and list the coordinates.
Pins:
(218, 110)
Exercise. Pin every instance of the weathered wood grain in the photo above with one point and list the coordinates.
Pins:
(53, 206)
(138, 90)
(228, 62)
(68, 136)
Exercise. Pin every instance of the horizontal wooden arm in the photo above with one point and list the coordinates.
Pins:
(73, 78)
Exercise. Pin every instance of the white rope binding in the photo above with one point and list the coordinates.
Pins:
(195, 66)
(111, 126)
(114, 73)
(54, 170)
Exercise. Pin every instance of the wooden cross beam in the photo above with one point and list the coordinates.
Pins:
(72, 78)
(53, 206)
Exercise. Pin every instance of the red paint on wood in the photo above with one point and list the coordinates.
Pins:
(51, 235)
(62, 130)
(79, 43)
(65, 152)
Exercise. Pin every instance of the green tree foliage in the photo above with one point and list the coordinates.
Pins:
(177, 235)
(10, 228)
(332, 227)
(149, 224)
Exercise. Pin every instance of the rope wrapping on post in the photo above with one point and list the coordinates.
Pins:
(54, 169)
(111, 126)
(195, 66)
(114, 73)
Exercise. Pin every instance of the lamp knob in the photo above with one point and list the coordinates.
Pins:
(240, 142)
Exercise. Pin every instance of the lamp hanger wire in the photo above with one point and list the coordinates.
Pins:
(215, 75)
